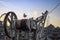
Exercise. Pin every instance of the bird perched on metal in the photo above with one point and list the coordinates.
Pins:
(24, 15)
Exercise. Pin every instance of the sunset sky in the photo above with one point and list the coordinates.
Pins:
(32, 8)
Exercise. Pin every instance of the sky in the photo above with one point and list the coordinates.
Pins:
(32, 8)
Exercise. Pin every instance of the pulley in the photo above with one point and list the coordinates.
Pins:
(9, 24)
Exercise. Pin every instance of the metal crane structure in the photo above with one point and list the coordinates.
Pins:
(24, 29)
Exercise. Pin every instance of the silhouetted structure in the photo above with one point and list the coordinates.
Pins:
(29, 29)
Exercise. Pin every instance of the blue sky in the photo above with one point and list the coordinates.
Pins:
(32, 8)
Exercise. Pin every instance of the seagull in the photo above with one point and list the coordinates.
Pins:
(24, 15)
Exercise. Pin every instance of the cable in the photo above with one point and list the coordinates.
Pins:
(54, 7)
(52, 11)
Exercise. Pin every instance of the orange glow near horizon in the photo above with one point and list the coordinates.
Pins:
(54, 22)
